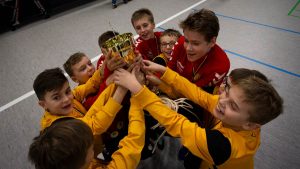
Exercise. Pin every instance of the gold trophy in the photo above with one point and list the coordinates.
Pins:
(122, 46)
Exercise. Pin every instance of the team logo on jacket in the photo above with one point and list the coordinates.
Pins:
(217, 79)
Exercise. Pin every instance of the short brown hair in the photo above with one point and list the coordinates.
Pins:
(138, 14)
(73, 59)
(266, 102)
(203, 21)
(105, 36)
(242, 73)
(63, 145)
(171, 32)
(49, 80)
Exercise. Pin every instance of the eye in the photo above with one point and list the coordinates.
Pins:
(138, 28)
(196, 43)
(233, 106)
(82, 68)
(145, 25)
(68, 91)
(56, 97)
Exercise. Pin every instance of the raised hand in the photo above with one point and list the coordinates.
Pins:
(128, 80)
(114, 63)
(153, 67)
(153, 80)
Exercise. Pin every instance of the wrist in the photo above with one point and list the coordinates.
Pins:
(119, 94)
(135, 88)
(162, 69)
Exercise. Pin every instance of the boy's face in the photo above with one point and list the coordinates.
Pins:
(166, 44)
(83, 70)
(195, 45)
(144, 28)
(104, 51)
(89, 157)
(232, 109)
(58, 102)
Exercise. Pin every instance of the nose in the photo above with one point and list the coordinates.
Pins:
(143, 29)
(188, 46)
(90, 67)
(66, 98)
(223, 102)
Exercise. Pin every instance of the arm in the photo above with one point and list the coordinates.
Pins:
(102, 113)
(91, 86)
(210, 145)
(181, 85)
(176, 125)
(129, 153)
(184, 86)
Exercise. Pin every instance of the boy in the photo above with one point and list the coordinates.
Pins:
(79, 67)
(148, 41)
(242, 109)
(106, 63)
(197, 57)
(56, 97)
(68, 144)
(167, 41)
(101, 41)
(59, 101)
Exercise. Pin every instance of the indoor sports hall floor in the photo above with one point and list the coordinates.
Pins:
(256, 34)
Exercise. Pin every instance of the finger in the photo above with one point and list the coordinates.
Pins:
(121, 65)
(135, 69)
(147, 62)
(109, 54)
(129, 69)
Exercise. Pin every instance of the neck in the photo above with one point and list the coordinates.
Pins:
(235, 128)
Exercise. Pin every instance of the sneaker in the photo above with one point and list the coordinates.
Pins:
(114, 6)
(125, 1)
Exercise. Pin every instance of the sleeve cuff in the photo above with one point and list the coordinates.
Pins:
(140, 100)
(169, 76)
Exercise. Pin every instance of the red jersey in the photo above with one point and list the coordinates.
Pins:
(207, 71)
(100, 61)
(149, 49)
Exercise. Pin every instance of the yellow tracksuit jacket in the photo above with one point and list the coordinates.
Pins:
(220, 147)
(129, 153)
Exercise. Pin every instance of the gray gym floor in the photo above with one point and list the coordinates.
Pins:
(262, 35)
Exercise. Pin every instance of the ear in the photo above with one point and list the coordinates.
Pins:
(42, 104)
(74, 79)
(104, 51)
(251, 126)
(213, 41)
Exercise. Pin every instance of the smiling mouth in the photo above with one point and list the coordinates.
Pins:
(190, 55)
(67, 106)
(219, 110)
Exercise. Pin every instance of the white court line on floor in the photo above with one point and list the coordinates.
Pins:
(28, 94)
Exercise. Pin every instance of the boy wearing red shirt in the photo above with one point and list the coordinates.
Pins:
(197, 57)
(148, 41)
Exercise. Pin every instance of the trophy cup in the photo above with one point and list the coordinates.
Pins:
(122, 46)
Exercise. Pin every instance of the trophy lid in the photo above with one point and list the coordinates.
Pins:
(118, 40)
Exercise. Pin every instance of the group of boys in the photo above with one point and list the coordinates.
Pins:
(108, 112)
